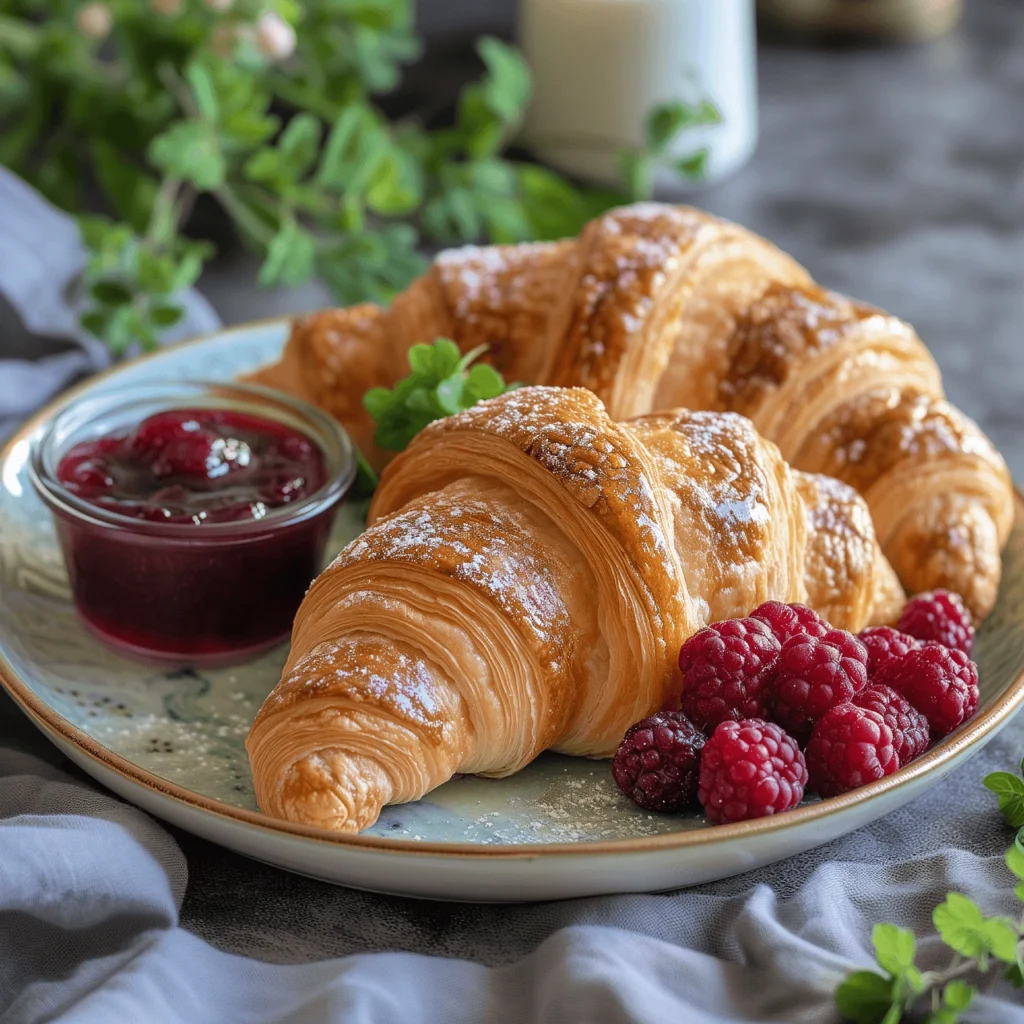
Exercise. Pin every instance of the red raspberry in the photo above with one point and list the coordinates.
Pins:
(657, 762)
(193, 456)
(814, 674)
(850, 747)
(940, 682)
(786, 620)
(750, 769)
(910, 732)
(885, 645)
(725, 668)
(940, 616)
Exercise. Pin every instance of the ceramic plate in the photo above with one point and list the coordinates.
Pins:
(172, 742)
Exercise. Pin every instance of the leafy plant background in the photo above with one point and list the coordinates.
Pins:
(981, 948)
(130, 112)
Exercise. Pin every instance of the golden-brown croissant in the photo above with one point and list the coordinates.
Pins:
(659, 307)
(530, 571)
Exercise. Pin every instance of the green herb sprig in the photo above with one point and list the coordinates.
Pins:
(442, 383)
(138, 109)
(977, 943)
(663, 125)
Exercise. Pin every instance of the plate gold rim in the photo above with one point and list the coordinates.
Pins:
(44, 717)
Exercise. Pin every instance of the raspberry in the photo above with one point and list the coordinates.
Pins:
(725, 668)
(850, 746)
(814, 674)
(786, 620)
(885, 645)
(940, 616)
(750, 769)
(193, 456)
(910, 732)
(940, 682)
(657, 762)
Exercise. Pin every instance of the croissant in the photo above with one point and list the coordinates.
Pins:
(529, 573)
(658, 307)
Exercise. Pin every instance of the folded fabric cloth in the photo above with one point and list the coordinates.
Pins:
(91, 891)
(41, 258)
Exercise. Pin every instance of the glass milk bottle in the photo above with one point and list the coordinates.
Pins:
(599, 66)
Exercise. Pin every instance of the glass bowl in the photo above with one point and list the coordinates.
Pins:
(182, 593)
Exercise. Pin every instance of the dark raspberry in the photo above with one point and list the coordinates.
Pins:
(658, 762)
(885, 645)
(910, 732)
(86, 477)
(725, 668)
(750, 769)
(814, 674)
(192, 456)
(849, 747)
(786, 620)
(155, 432)
(942, 683)
(940, 616)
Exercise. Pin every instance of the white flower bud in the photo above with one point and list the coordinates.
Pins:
(219, 6)
(168, 8)
(274, 37)
(94, 20)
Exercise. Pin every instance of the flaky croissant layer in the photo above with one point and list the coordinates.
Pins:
(529, 573)
(658, 307)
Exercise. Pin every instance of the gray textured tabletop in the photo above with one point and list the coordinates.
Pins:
(894, 175)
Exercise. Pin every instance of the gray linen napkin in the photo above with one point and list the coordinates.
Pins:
(91, 889)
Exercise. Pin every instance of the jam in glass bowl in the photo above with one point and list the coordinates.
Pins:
(192, 516)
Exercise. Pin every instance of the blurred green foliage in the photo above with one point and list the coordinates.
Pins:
(268, 107)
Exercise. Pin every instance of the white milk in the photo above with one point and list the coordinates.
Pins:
(600, 65)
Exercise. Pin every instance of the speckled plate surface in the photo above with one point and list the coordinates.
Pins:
(173, 741)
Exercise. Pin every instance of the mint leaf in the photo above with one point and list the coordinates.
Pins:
(450, 394)
(637, 170)
(355, 149)
(664, 122)
(189, 150)
(397, 186)
(964, 929)
(694, 166)
(959, 923)
(894, 948)
(203, 90)
(166, 316)
(508, 84)
(1015, 861)
(111, 293)
(484, 382)
(865, 997)
(1001, 936)
(130, 190)
(1010, 790)
(94, 322)
(299, 144)
(290, 257)
(441, 383)
(552, 207)
(957, 996)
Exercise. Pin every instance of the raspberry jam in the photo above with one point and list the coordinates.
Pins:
(195, 466)
(192, 517)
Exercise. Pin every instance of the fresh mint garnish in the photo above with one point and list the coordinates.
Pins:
(442, 383)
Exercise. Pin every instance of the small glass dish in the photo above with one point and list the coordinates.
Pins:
(180, 593)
